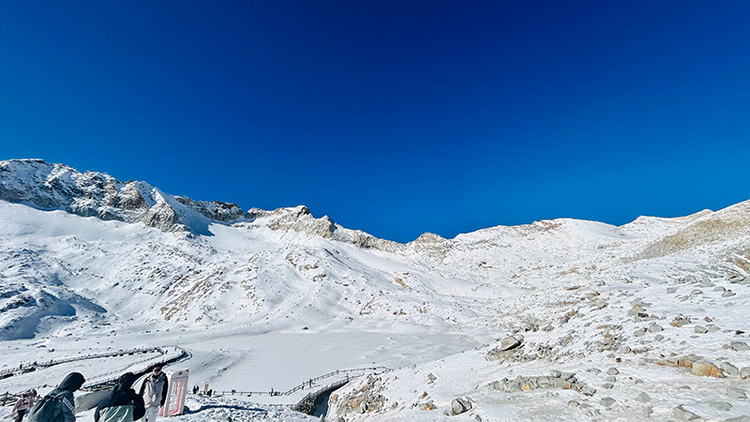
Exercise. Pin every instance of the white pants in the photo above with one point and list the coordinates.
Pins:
(151, 413)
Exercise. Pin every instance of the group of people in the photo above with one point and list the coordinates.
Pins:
(122, 405)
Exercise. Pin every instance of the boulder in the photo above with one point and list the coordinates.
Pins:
(706, 369)
(428, 406)
(736, 278)
(681, 414)
(745, 373)
(643, 397)
(687, 361)
(721, 405)
(729, 369)
(613, 371)
(736, 393)
(700, 330)
(739, 346)
(509, 343)
(638, 312)
(460, 405)
(588, 391)
(607, 401)
(679, 321)
(655, 328)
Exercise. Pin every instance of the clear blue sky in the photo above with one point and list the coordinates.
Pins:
(392, 117)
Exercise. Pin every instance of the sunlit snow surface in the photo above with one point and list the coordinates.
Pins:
(259, 308)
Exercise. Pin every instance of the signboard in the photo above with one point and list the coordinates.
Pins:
(178, 385)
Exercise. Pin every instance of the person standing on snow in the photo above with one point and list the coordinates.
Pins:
(154, 393)
(58, 405)
(122, 405)
(23, 404)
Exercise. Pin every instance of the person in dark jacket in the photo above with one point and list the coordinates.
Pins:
(58, 405)
(154, 392)
(123, 404)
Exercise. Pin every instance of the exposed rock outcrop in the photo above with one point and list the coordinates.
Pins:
(90, 194)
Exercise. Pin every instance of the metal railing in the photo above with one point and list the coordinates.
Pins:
(10, 398)
(349, 373)
(110, 382)
(24, 367)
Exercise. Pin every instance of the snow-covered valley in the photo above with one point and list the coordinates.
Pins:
(556, 320)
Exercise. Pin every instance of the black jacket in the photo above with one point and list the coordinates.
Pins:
(62, 408)
(118, 405)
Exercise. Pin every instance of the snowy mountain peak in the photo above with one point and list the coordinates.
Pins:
(91, 194)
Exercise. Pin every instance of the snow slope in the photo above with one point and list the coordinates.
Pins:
(269, 299)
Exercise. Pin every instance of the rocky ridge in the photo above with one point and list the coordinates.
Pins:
(92, 194)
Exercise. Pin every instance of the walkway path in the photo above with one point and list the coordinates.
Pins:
(333, 377)
(294, 397)
(103, 381)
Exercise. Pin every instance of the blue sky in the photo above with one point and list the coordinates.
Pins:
(392, 117)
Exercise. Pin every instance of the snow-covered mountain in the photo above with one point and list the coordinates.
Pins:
(498, 318)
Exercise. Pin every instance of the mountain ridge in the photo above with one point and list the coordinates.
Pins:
(94, 194)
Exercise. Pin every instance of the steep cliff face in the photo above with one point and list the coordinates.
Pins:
(89, 194)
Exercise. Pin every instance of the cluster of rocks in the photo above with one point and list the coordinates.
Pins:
(613, 338)
(366, 399)
(509, 347)
(682, 414)
(701, 367)
(556, 379)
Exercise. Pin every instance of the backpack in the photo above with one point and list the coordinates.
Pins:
(45, 410)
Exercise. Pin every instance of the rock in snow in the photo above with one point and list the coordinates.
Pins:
(460, 405)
